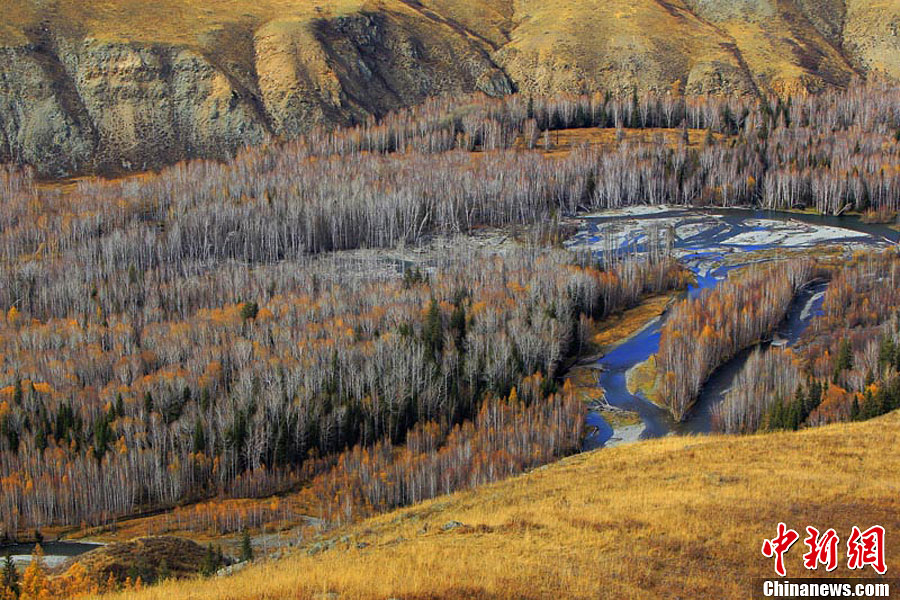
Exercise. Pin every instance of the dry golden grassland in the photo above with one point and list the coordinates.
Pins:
(565, 45)
(165, 21)
(676, 517)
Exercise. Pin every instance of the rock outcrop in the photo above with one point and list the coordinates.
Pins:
(73, 103)
(131, 86)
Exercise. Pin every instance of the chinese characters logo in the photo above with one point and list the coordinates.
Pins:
(864, 548)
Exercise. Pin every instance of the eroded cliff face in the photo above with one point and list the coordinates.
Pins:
(81, 105)
(38, 126)
(71, 104)
(133, 86)
(341, 70)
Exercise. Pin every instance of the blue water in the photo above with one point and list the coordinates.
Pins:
(704, 257)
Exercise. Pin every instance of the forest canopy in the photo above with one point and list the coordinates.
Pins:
(224, 328)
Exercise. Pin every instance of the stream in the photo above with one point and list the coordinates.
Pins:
(710, 243)
(55, 553)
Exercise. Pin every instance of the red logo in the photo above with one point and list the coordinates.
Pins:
(822, 549)
(864, 548)
(779, 545)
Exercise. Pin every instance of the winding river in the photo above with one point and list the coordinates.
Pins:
(710, 243)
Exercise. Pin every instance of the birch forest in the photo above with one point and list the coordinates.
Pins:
(705, 332)
(846, 366)
(234, 329)
(227, 380)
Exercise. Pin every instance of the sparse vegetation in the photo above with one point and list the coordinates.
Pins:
(246, 547)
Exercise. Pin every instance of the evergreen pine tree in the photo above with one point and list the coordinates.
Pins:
(199, 437)
(881, 402)
(802, 405)
(814, 394)
(867, 410)
(775, 419)
(458, 325)
(249, 310)
(845, 356)
(148, 405)
(794, 416)
(209, 566)
(433, 332)
(9, 577)
(635, 116)
(246, 547)
(163, 572)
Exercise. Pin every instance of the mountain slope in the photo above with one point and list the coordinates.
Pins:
(122, 85)
(677, 517)
(871, 36)
(618, 45)
(108, 90)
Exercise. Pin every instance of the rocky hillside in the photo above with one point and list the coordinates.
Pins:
(123, 85)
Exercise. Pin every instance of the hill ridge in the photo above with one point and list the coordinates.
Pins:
(126, 86)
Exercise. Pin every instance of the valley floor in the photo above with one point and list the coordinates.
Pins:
(674, 517)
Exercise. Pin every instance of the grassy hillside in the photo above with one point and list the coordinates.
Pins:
(143, 557)
(677, 517)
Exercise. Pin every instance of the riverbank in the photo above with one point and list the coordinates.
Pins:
(627, 434)
(618, 329)
(604, 337)
(710, 243)
(55, 553)
(641, 379)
